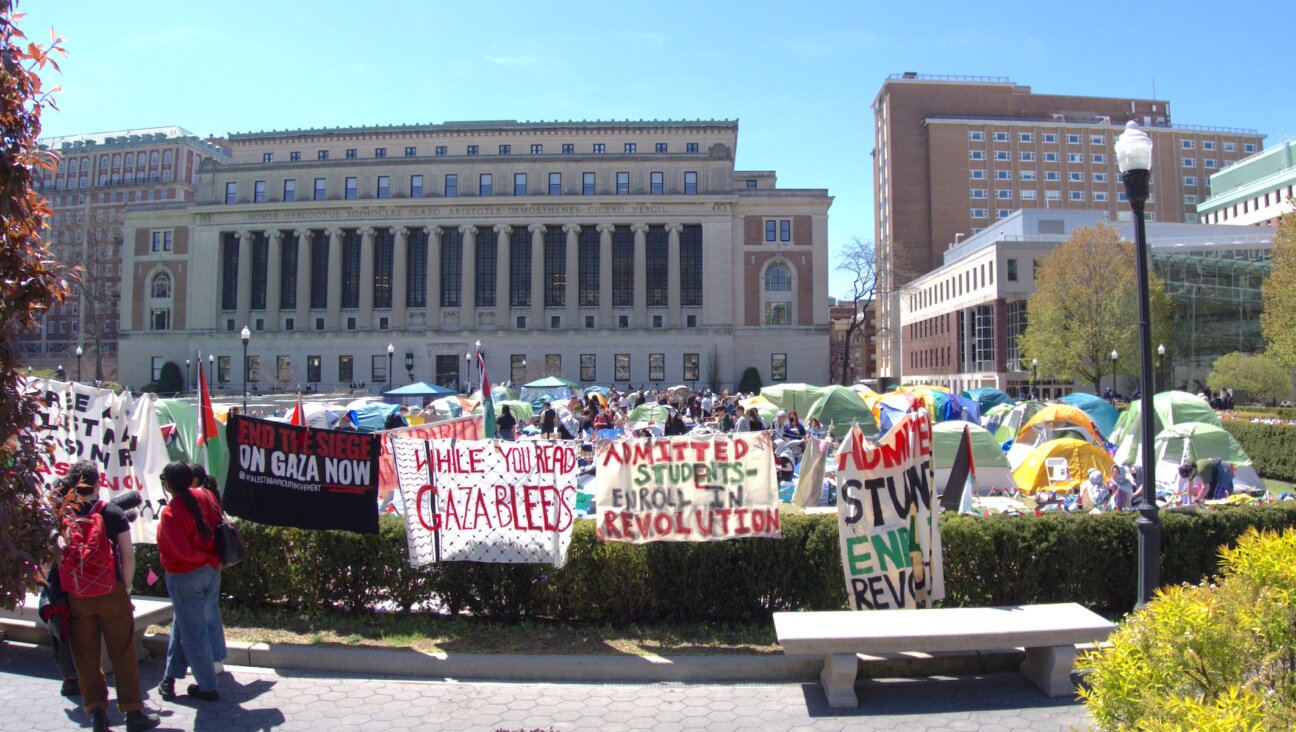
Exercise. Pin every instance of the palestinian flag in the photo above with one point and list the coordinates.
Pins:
(487, 403)
(210, 448)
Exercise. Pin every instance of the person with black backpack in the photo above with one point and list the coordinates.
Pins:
(96, 570)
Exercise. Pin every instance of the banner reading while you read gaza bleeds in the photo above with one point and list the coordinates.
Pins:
(890, 537)
(487, 500)
(307, 478)
(689, 488)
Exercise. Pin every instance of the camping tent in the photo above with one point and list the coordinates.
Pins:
(1171, 408)
(641, 415)
(960, 408)
(1079, 456)
(988, 459)
(419, 389)
(183, 414)
(1013, 421)
(549, 388)
(988, 396)
(1194, 441)
(1053, 422)
(793, 397)
(521, 410)
(1100, 410)
(991, 418)
(842, 407)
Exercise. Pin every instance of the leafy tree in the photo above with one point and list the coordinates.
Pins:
(1085, 305)
(750, 383)
(1278, 319)
(30, 283)
(170, 382)
(859, 260)
(1259, 375)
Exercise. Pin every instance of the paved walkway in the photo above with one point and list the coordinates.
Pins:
(261, 699)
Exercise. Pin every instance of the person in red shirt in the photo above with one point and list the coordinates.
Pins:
(186, 540)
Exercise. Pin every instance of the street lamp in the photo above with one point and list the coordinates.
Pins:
(1161, 352)
(62, 376)
(1034, 376)
(187, 381)
(211, 366)
(246, 335)
(391, 351)
(409, 365)
(1134, 157)
(468, 372)
(1114, 356)
(79, 352)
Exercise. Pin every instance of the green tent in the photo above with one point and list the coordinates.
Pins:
(641, 415)
(1171, 408)
(841, 407)
(1014, 419)
(794, 397)
(985, 450)
(183, 413)
(550, 382)
(522, 411)
(1192, 442)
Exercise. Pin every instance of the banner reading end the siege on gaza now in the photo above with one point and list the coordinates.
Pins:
(487, 500)
(890, 537)
(688, 488)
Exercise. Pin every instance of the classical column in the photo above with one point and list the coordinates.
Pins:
(572, 274)
(468, 302)
(433, 277)
(640, 275)
(503, 249)
(400, 263)
(366, 319)
(304, 238)
(605, 275)
(673, 318)
(537, 275)
(274, 265)
(244, 279)
(334, 322)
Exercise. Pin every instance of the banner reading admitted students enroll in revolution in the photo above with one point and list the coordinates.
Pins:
(307, 478)
(688, 488)
(487, 500)
(890, 539)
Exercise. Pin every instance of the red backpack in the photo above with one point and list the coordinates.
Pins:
(89, 568)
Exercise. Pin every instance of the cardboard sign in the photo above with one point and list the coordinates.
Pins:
(890, 538)
(688, 488)
(487, 500)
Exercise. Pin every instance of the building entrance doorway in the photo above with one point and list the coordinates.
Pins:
(447, 372)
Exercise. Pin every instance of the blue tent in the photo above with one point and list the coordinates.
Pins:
(988, 396)
(1103, 414)
(961, 408)
(421, 388)
(372, 417)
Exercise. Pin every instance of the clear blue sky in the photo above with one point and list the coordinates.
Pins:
(799, 76)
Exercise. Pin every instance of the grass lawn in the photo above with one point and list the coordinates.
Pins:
(1277, 487)
(441, 634)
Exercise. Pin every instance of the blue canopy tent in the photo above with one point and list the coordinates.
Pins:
(961, 408)
(420, 389)
(1103, 414)
(988, 396)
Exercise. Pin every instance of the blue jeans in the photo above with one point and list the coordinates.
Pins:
(197, 634)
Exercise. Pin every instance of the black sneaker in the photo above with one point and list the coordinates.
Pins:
(166, 689)
(71, 687)
(197, 693)
(99, 720)
(140, 720)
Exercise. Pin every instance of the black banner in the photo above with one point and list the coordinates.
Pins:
(306, 478)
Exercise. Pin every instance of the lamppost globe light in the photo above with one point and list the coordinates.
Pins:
(391, 348)
(1133, 149)
(1161, 350)
(79, 351)
(1034, 362)
(245, 334)
(1114, 354)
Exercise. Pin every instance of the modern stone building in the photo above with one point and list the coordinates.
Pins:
(1255, 190)
(603, 252)
(98, 178)
(954, 154)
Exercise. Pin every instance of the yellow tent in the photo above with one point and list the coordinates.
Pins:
(1033, 474)
(1058, 416)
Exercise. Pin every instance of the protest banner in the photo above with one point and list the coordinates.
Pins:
(487, 500)
(688, 488)
(464, 428)
(890, 539)
(307, 478)
(116, 432)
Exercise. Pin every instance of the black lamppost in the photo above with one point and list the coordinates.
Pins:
(246, 335)
(391, 351)
(188, 383)
(1134, 156)
(211, 366)
(1034, 377)
(1161, 362)
(409, 365)
(1114, 356)
(79, 352)
(62, 375)
(467, 387)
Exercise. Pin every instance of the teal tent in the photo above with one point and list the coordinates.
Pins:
(1100, 410)
(841, 407)
(988, 396)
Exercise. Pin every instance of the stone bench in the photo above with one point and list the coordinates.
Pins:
(1048, 633)
(24, 624)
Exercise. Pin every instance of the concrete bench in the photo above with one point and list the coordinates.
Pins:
(1048, 633)
(24, 624)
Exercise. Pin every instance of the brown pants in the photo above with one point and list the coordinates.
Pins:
(108, 618)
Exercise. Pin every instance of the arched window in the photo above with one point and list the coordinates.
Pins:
(778, 279)
(160, 301)
(778, 294)
(166, 157)
(161, 286)
(153, 158)
(130, 159)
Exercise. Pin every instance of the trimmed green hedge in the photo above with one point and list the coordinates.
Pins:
(1272, 447)
(995, 560)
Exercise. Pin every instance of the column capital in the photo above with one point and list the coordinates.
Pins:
(334, 232)
(639, 228)
(303, 233)
(674, 228)
(503, 229)
(468, 230)
(606, 228)
(245, 235)
(369, 232)
(432, 230)
(537, 228)
(571, 228)
(274, 234)
(400, 231)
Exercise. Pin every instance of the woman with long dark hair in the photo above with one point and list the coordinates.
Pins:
(186, 540)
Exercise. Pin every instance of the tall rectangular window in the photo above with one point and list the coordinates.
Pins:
(294, 156)
(290, 190)
(472, 150)
(1012, 270)
(587, 363)
(380, 152)
(313, 369)
(351, 188)
(519, 184)
(623, 184)
(253, 368)
(555, 267)
(520, 268)
(451, 268)
(657, 183)
(771, 230)
(384, 186)
(231, 192)
(260, 266)
(778, 367)
(321, 189)
(599, 148)
(229, 271)
(517, 368)
(351, 268)
(692, 367)
(222, 369)
(416, 186)
(416, 262)
(623, 243)
(555, 184)
(451, 185)
(486, 260)
(537, 149)
(411, 152)
(383, 253)
(657, 265)
(288, 253)
(568, 148)
(346, 369)
(485, 185)
(505, 149)
(283, 369)
(621, 364)
(350, 153)
(690, 183)
(691, 265)
(587, 184)
(657, 367)
(258, 191)
(319, 255)
(378, 369)
(785, 230)
(588, 285)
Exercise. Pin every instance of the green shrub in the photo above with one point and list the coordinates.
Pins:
(1207, 656)
(1271, 447)
(750, 383)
